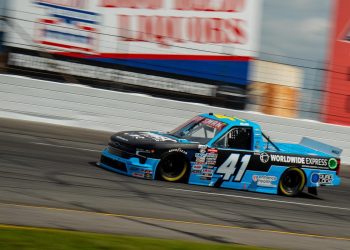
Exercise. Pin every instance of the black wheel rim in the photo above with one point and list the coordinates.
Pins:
(291, 182)
(172, 167)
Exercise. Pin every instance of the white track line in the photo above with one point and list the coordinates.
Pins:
(59, 146)
(259, 199)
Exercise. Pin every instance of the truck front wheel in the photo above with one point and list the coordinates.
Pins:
(173, 168)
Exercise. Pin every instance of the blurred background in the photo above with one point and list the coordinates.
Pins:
(284, 58)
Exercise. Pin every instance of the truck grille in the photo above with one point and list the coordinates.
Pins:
(113, 163)
(121, 149)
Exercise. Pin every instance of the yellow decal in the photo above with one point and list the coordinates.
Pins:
(231, 118)
(242, 120)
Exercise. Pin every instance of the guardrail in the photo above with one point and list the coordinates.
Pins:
(81, 106)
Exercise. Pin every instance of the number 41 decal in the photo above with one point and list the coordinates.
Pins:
(228, 168)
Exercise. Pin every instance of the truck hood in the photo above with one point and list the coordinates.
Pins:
(151, 140)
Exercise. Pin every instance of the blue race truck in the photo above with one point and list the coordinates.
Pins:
(224, 151)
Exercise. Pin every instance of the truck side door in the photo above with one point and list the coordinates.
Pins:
(234, 153)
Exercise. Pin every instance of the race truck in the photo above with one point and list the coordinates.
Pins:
(224, 151)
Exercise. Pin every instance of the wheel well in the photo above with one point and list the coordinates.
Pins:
(293, 167)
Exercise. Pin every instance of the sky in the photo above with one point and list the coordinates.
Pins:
(296, 28)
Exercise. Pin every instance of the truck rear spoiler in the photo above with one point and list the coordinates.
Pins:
(320, 146)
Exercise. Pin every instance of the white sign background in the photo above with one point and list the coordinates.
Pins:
(109, 35)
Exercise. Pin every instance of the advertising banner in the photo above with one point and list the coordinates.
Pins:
(337, 97)
(206, 39)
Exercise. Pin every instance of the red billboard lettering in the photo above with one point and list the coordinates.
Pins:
(165, 30)
(193, 33)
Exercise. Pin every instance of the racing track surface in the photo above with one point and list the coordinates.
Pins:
(48, 179)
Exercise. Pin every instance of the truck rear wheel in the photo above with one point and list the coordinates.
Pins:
(173, 168)
(292, 182)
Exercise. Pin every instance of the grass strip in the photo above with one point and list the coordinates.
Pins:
(28, 238)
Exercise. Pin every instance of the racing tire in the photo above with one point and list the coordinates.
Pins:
(173, 168)
(292, 182)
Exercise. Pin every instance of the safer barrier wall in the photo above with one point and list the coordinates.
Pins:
(81, 106)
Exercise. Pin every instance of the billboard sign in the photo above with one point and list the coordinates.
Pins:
(206, 39)
(337, 97)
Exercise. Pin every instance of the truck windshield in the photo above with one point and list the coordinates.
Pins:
(199, 129)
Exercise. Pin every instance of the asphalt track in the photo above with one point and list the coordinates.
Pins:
(48, 179)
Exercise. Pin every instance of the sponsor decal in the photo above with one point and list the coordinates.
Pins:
(264, 180)
(202, 148)
(196, 171)
(212, 150)
(264, 157)
(200, 155)
(197, 167)
(138, 175)
(150, 135)
(244, 124)
(200, 161)
(145, 151)
(332, 163)
(157, 137)
(212, 156)
(121, 138)
(214, 124)
(307, 161)
(325, 179)
(207, 171)
(322, 178)
(200, 158)
(206, 177)
(178, 150)
(315, 178)
(211, 162)
(136, 136)
(146, 171)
